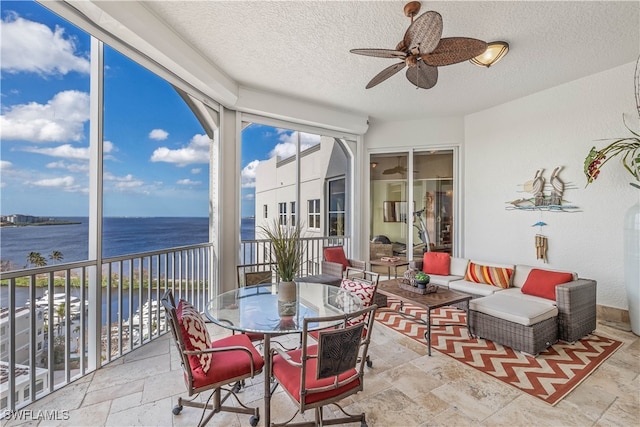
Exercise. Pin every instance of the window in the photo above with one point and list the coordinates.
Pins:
(293, 213)
(282, 213)
(266, 211)
(336, 213)
(39, 346)
(314, 213)
(39, 385)
(26, 393)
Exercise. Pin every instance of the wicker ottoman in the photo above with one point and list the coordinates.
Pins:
(524, 325)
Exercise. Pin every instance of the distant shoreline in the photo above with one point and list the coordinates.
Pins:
(37, 224)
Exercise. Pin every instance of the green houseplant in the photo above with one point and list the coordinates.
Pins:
(422, 279)
(286, 249)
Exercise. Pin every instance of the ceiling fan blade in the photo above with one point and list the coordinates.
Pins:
(452, 50)
(394, 170)
(423, 76)
(380, 53)
(385, 74)
(424, 33)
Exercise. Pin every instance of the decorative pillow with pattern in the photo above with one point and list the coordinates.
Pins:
(496, 276)
(195, 335)
(364, 291)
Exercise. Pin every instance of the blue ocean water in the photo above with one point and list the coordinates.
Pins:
(121, 236)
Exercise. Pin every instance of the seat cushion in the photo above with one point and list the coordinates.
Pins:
(229, 365)
(542, 283)
(336, 254)
(289, 377)
(521, 311)
(436, 263)
(195, 335)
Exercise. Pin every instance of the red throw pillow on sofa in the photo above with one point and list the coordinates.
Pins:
(542, 283)
(436, 263)
(336, 254)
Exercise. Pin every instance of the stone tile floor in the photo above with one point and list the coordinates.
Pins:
(404, 388)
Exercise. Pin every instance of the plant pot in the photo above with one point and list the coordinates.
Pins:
(287, 299)
(632, 264)
(422, 284)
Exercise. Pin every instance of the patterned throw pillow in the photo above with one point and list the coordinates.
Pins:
(496, 276)
(364, 291)
(195, 335)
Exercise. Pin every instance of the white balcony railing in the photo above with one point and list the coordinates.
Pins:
(47, 341)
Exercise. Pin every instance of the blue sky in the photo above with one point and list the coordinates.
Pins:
(156, 152)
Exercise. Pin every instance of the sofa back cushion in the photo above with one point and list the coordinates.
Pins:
(336, 254)
(522, 273)
(542, 283)
(458, 266)
(436, 263)
(497, 274)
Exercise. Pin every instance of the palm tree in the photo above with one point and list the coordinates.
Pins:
(56, 256)
(36, 259)
(61, 311)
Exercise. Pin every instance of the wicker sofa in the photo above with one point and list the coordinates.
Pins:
(517, 319)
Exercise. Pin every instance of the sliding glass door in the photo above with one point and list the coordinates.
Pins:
(412, 203)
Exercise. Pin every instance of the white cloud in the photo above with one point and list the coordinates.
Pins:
(187, 181)
(66, 150)
(5, 164)
(65, 183)
(71, 167)
(60, 119)
(29, 46)
(249, 196)
(125, 182)
(196, 171)
(158, 134)
(248, 174)
(197, 151)
(287, 147)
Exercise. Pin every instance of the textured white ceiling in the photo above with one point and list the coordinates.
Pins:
(301, 49)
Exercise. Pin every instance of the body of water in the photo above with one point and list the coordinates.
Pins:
(122, 236)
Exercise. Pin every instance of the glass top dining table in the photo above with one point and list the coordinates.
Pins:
(276, 309)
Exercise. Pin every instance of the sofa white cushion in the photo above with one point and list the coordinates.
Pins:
(522, 272)
(473, 287)
(443, 280)
(524, 312)
(517, 293)
(458, 266)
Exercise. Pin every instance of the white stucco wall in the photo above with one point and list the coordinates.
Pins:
(505, 145)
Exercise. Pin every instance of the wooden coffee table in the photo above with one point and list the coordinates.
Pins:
(443, 297)
(389, 264)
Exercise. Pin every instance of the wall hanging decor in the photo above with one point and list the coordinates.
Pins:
(546, 196)
(541, 242)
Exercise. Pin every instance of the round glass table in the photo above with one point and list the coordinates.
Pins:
(276, 309)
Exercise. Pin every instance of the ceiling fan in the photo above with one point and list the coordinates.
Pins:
(423, 50)
(396, 169)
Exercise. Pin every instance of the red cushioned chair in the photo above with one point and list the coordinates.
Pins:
(336, 262)
(211, 365)
(365, 288)
(329, 371)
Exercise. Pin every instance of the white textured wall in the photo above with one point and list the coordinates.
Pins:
(505, 145)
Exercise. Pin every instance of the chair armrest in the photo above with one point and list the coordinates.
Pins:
(357, 264)
(332, 268)
(576, 302)
(285, 356)
(416, 264)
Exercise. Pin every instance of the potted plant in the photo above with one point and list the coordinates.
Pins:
(422, 279)
(285, 252)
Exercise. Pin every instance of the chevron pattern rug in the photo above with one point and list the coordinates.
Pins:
(550, 376)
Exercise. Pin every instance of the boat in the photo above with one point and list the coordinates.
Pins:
(60, 298)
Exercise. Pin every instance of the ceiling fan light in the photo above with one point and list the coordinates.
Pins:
(494, 53)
